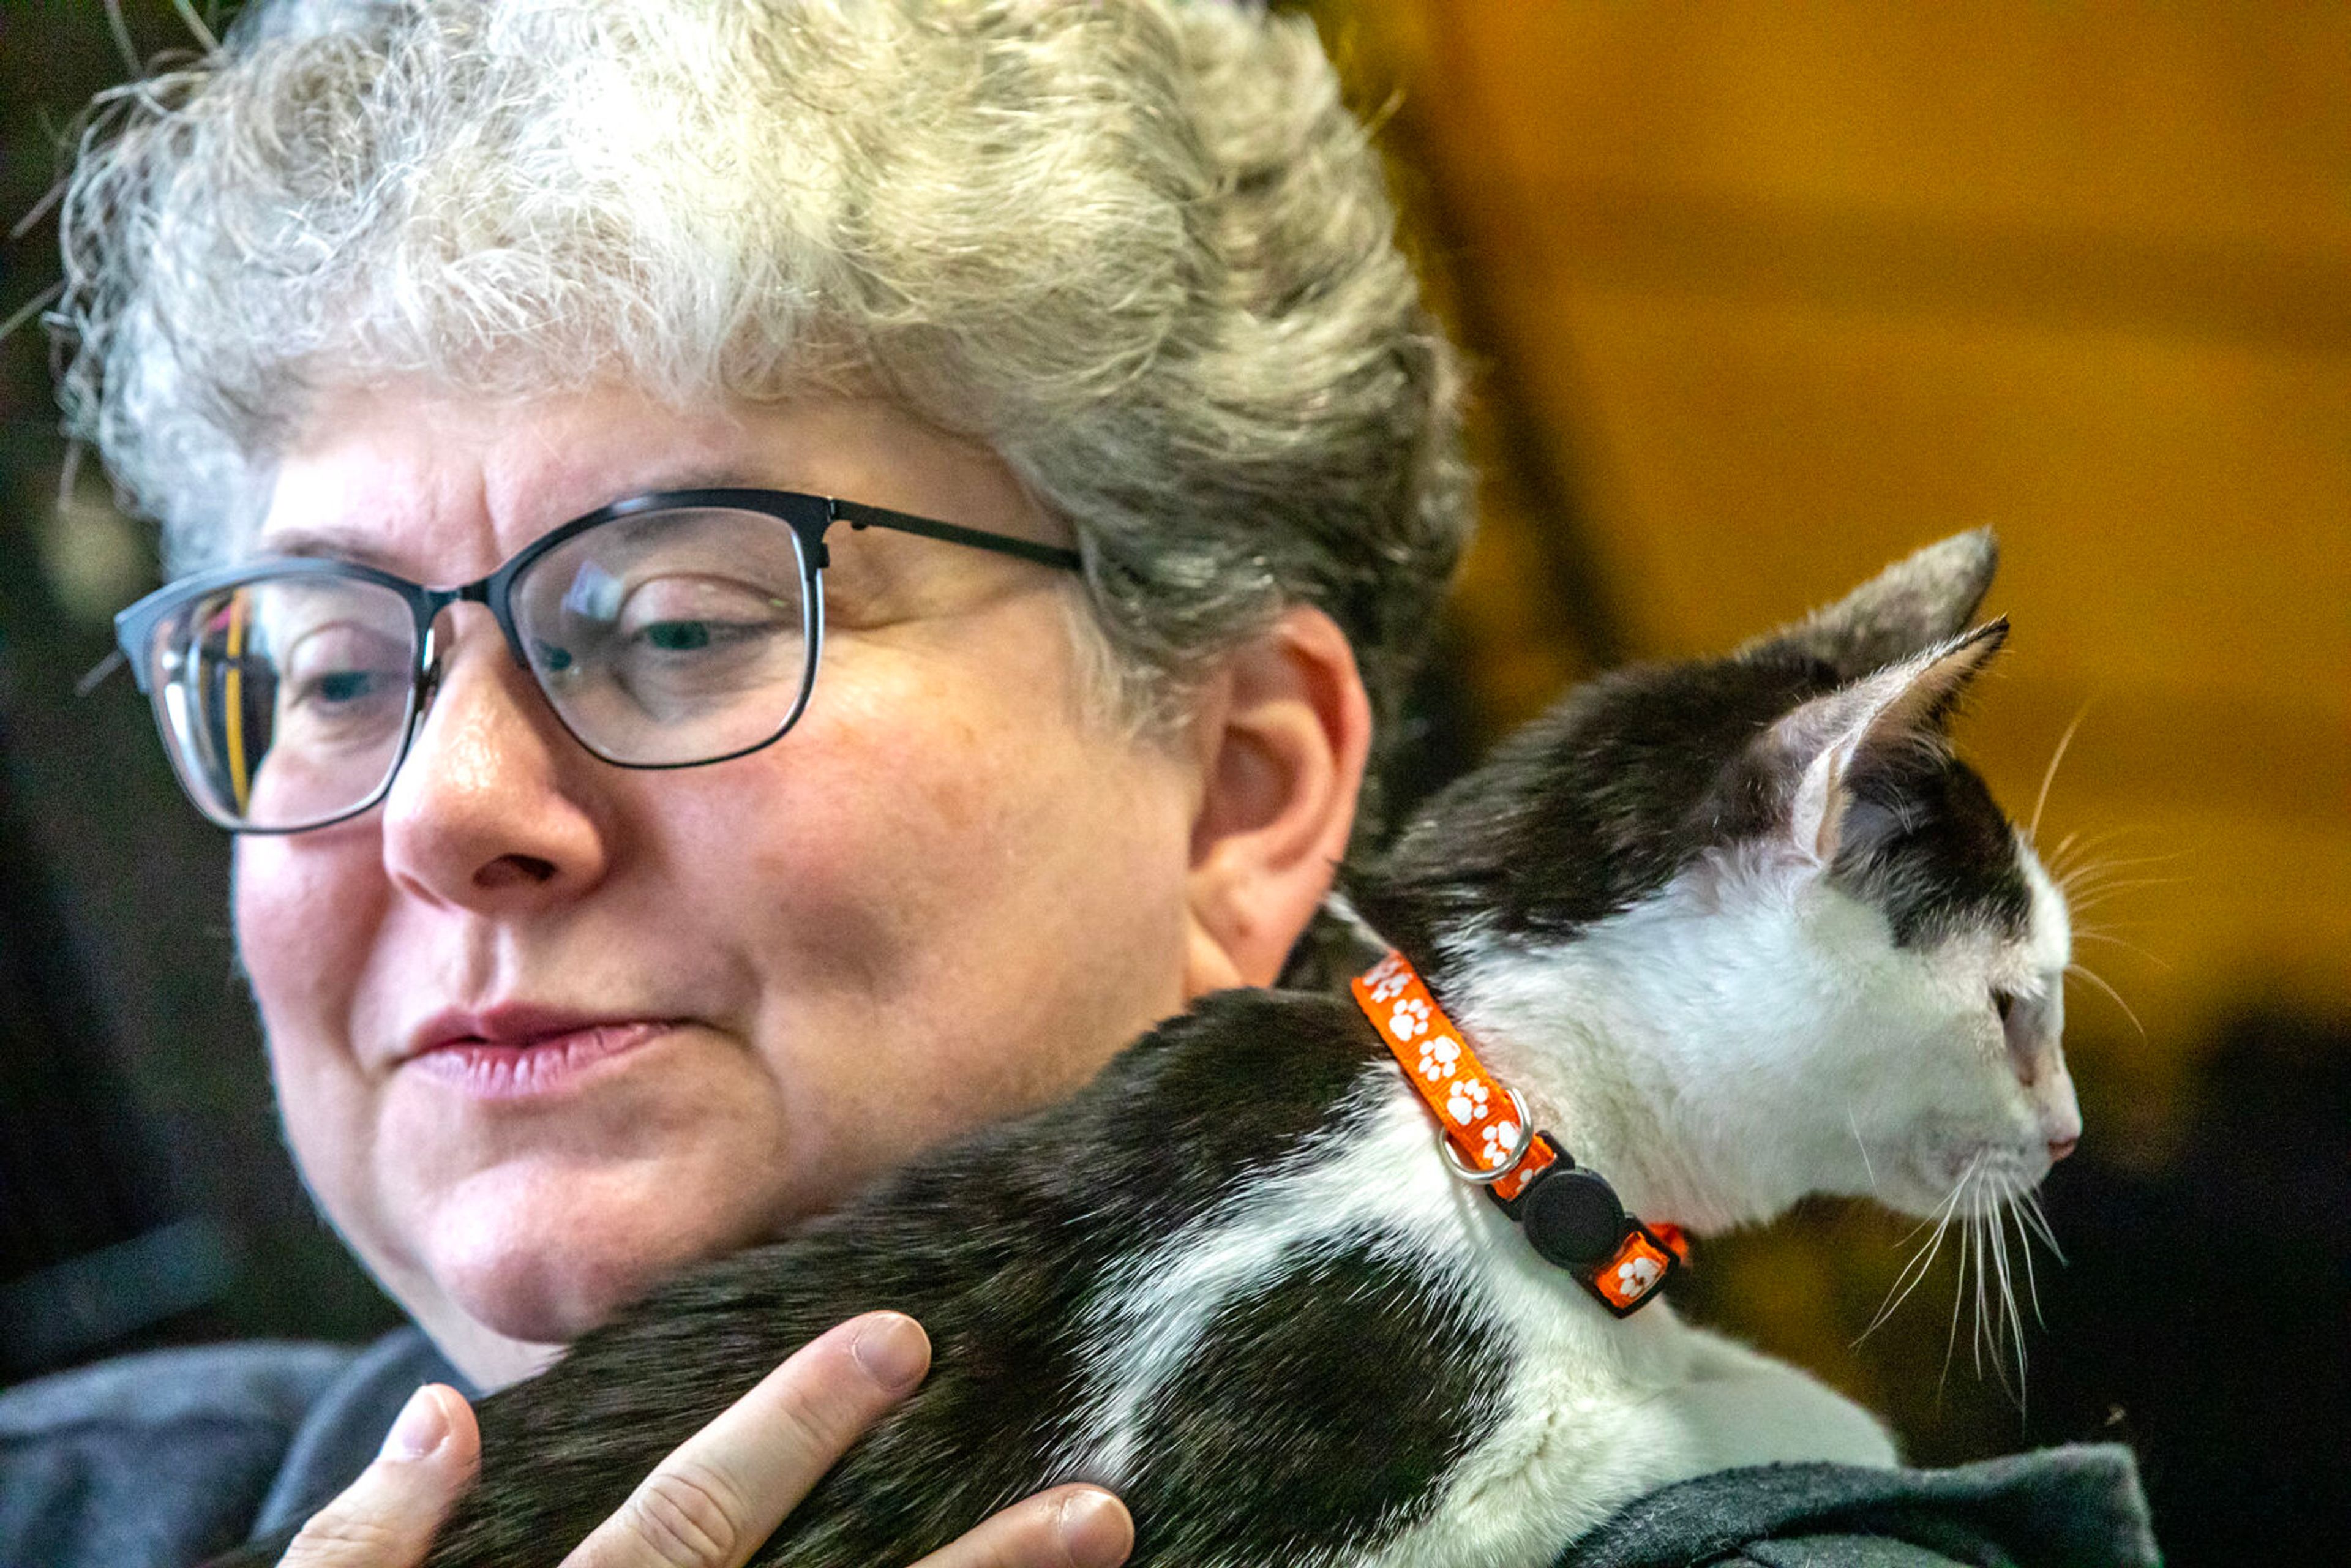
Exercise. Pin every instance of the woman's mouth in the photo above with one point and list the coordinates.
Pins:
(519, 1066)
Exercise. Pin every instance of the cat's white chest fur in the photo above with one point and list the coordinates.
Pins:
(1596, 1410)
(1603, 1410)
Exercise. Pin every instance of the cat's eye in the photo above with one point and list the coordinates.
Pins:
(2003, 1003)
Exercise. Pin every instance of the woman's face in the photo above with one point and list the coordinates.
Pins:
(544, 1028)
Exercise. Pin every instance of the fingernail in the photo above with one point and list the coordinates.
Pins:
(893, 1350)
(422, 1428)
(1095, 1529)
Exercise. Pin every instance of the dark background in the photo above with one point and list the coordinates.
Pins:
(1722, 373)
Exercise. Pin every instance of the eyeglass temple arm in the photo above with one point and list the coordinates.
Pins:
(98, 672)
(857, 515)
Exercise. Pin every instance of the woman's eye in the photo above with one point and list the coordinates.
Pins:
(340, 692)
(677, 636)
(343, 685)
(337, 672)
(675, 615)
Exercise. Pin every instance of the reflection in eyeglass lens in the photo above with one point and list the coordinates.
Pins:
(296, 693)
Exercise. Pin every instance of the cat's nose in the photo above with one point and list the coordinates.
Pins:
(2060, 1147)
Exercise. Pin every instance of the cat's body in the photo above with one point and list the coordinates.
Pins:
(1233, 1281)
(1738, 932)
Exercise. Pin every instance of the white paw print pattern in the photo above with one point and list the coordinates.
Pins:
(1467, 1103)
(1409, 1018)
(1635, 1275)
(1388, 981)
(1439, 1053)
(1501, 1141)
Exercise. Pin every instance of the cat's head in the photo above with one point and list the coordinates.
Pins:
(1757, 906)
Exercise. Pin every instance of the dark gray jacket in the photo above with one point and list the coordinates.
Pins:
(157, 1460)
(163, 1460)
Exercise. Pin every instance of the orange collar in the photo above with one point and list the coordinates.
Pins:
(1571, 1215)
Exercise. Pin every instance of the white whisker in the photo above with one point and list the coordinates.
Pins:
(2011, 1316)
(2082, 935)
(1920, 1261)
(2049, 775)
(1959, 1294)
(2113, 925)
(1982, 1279)
(2025, 1239)
(1857, 1143)
(2040, 1219)
(2075, 847)
(2099, 980)
(2065, 846)
(1959, 1289)
(1913, 1272)
(1904, 1239)
(2100, 892)
(2123, 862)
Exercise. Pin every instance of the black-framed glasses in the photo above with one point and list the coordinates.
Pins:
(666, 631)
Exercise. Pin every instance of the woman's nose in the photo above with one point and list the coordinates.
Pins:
(485, 808)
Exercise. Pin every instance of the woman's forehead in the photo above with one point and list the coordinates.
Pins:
(384, 466)
(429, 484)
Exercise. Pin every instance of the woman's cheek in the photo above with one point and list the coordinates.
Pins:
(307, 912)
(306, 920)
(882, 804)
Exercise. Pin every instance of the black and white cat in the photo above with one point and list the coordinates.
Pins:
(1739, 930)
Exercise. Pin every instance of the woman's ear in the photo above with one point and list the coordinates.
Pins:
(1283, 731)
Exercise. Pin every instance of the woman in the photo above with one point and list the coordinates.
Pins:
(550, 405)
(590, 970)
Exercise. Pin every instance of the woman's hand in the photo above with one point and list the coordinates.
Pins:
(714, 1501)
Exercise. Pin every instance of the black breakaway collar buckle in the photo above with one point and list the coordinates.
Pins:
(1573, 1221)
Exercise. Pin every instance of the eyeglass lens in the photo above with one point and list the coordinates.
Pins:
(670, 637)
(663, 639)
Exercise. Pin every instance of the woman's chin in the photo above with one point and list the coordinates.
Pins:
(545, 1276)
(541, 1299)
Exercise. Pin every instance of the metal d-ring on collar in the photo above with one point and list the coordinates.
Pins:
(1509, 1163)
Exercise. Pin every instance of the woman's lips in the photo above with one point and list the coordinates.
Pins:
(536, 1065)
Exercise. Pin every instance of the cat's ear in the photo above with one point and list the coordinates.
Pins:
(1911, 607)
(1881, 718)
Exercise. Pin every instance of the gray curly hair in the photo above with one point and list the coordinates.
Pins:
(1140, 248)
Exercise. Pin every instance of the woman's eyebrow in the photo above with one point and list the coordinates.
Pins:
(325, 544)
(334, 544)
(699, 477)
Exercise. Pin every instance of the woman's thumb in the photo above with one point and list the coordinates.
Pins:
(388, 1517)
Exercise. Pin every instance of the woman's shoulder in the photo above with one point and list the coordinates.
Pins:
(264, 1381)
(153, 1459)
(170, 1455)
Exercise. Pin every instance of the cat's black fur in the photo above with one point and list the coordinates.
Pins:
(995, 1245)
(1602, 801)
(1346, 1388)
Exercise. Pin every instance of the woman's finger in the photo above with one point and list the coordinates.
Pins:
(388, 1517)
(1069, 1527)
(713, 1501)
